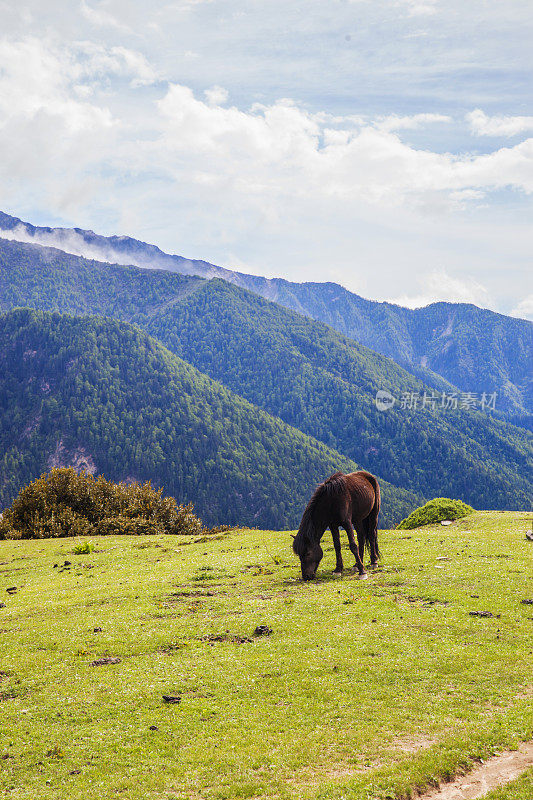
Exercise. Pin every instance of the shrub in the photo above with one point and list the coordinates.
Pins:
(436, 510)
(137, 526)
(67, 503)
(83, 548)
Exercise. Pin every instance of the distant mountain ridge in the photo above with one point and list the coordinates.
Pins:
(475, 349)
(295, 368)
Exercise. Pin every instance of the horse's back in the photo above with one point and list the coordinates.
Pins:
(364, 493)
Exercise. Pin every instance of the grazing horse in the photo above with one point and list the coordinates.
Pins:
(347, 501)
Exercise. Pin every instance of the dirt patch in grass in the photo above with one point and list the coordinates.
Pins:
(171, 648)
(212, 638)
(427, 601)
(495, 772)
(175, 597)
(415, 744)
(8, 696)
(484, 614)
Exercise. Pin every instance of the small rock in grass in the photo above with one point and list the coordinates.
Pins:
(154, 728)
(75, 772)
(527, 602)
(11, 589)
(97, 630)
(67, 563)
(2, 605)
(172, 698)
(262, 630)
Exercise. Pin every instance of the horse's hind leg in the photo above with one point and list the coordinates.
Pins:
(361, 540)
(348, 527)
(371, 539)
(374, 553)
(338, 555)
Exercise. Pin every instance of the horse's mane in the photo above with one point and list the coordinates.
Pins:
(306, 533)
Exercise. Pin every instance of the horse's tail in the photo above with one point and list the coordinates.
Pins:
(371, 522)
(333, 485)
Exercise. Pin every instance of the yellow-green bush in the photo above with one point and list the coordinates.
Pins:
(66, 503)
(436, 510)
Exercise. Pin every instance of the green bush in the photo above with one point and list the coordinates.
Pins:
(83, 548)
(436, 510)
(67, 503)
(138, 526)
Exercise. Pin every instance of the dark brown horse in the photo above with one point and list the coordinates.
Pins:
(345, 501)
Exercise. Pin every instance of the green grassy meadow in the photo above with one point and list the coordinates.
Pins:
(364, 689)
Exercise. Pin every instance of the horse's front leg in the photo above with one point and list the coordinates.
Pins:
(338, 555)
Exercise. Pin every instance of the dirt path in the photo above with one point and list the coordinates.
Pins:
(496, 772)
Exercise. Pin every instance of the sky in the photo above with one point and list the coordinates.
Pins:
(386, 145)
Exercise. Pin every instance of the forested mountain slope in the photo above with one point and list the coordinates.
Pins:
(297, 369)
(104, 396)
(475, 349)
(325, 384)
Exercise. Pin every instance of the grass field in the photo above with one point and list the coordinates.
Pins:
(364, 689)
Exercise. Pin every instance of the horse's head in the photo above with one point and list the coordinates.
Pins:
(310, 554)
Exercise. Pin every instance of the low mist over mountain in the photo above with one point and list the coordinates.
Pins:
(475, 349)
(299, 370)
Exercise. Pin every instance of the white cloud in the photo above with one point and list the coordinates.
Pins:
(412, 7)
(438, 285)
(418, 7)
(413, 122)
(100, 17)
(524, 309)
(36, 81)
(277, 185)
(284, 149)
(216, 96)
(483, 125)
(64, 239)
(96, 62)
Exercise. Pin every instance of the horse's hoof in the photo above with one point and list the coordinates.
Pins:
(362, 576)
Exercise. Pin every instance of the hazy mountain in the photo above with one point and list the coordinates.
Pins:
(475, 349)
(104, 396)
(295, 368)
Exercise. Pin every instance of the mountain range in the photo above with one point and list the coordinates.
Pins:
(474, 349)
(313, 381)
